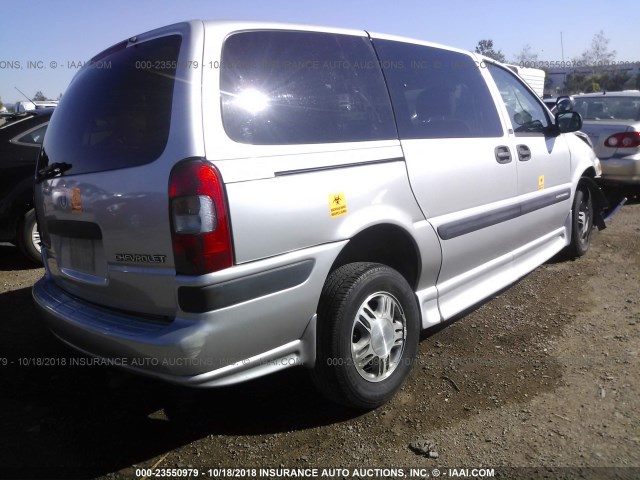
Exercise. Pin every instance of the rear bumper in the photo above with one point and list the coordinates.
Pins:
(621, 170)
(250, 338)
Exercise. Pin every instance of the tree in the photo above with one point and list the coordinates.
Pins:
(485, 47)
(548, 83)
(39, 96)
(60, 97)
(574, 82)
(526, 57)
(616, 80)
(1, 104)
(594, 86)
(583, 83)
(599, 53)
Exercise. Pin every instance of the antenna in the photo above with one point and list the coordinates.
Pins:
(25, 96)
(564, 65)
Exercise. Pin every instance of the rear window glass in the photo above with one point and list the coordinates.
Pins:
(437, 93)
(303, 87)
(608, 108)
(116, 112)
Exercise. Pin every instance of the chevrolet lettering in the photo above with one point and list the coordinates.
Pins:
(140, 258)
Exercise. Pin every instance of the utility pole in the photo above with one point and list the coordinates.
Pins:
(564, 67)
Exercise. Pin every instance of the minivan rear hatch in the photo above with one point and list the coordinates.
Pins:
(102, 176)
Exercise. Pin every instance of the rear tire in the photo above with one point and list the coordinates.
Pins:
(368, 329)
(581, 223)
(28, 237)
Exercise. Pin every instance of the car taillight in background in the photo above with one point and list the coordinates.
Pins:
(199, 222)
(623, 140)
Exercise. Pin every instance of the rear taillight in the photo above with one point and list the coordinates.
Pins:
(623, 140)
(199, 221)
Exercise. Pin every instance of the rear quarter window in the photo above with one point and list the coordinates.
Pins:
(287, 87)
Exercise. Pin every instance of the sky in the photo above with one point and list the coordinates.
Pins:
(42, 42)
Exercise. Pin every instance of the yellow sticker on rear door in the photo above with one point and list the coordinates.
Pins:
(541, 182)
(337, 204)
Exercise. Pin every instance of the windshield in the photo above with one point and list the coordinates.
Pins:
(116, 112)
(608, 108)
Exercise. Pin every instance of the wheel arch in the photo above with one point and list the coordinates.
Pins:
(387, 244)
(600, 203)
(19, 202)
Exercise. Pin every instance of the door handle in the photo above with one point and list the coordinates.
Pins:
(503, 154)
(524, 153)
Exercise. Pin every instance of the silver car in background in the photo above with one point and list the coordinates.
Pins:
(612, 121)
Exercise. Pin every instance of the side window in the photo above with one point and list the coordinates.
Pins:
(526, 113)
(32, 138)
(281, 87)
(437, 93)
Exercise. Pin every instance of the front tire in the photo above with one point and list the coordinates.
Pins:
(28, 237)
(368, 329)
(581, 223)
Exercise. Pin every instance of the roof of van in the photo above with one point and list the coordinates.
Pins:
(624, 93)
(244, 25)
(251, 25)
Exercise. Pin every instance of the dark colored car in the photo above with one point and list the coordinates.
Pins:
(21, 136)
(550, 102)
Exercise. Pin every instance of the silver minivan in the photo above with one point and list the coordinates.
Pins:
(219, 201)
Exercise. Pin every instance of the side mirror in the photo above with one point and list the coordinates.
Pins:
(567, 122)
(565, 104)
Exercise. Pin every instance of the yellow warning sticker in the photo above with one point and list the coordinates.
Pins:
(541, 182)
(337, 204)
(76, 200)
